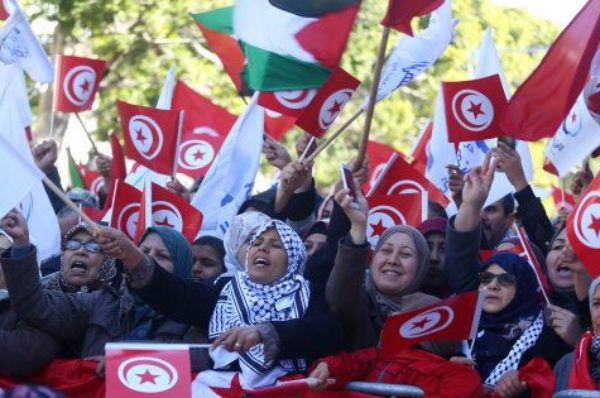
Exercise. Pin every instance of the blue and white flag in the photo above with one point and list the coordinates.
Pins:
(229, 182)
(413, 55)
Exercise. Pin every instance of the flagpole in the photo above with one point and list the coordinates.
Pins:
(335, 135)
(530, 261)
(362, 149)
(62, 196)
(386, 168)
(308, 146)
(112, 202)
(89, 136)
(177, 149)
(52, 86)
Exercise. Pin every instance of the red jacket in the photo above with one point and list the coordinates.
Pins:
(437, 376)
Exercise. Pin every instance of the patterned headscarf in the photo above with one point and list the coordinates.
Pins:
(106, 273)
(244, 302)
(385, 304)
(243, 227)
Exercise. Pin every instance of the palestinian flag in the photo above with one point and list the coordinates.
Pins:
(74, 172)
(217, 28)
(290, 44)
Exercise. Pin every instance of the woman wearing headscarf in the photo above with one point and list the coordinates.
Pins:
(238, 236)
(90, 320)
(363, 299)
(209, 258)
(82, 270)
(265, 321)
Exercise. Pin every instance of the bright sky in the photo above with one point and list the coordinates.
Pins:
(557, 11)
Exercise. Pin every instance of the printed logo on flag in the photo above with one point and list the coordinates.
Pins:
(128, 219)
(332, 107)
(196, 153)
(146, 135)
(586, 223)
(472, 110)
(147, 375)
(295, 99)
(427, 323)
(96, 185)
(571, 126)
(167, 214)
(381, 218)
(79, 84)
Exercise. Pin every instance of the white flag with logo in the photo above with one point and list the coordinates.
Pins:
(413, 55)
(574, 140)
(20, 46)
(229, 181)
(472, 153)
(21, 185)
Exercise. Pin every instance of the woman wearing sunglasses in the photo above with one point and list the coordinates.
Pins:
(512, 330)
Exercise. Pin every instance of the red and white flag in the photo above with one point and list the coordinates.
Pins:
(77, 83)
(151, 135)
(288, 102)
(138, 370)
(118, 171)
(525, 250)
(562, 200)
(541, 103)
(278, 124)
(456, 318)
(379, 154)
(401, 12)
(328, 103)
(583, 228)
(162, 207)
(473, 107)
(420, 149)
(6, 8)
(125, 208)
(205, 128)
(92, 179)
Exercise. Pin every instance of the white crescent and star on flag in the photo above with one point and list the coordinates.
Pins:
(295, 99)
(427, 323)
(167, 214)
(79, 83)
(332, 107)
(146, 135)
(147, 374)
(196, 153)
(128, 219)
(472, 110)
(381, 218)
(587, 220)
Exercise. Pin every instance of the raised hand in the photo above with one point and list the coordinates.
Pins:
(276, 154)
(15, 225)
(45, 154)
(294, 175)
(478, 182)
(178, 189)
(116, 244)
(510, 162)
(321, 376)
(104, 165)
(581, 180)
(456, 182)
(357, 210)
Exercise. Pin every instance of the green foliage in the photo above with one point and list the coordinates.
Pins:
(141, 39)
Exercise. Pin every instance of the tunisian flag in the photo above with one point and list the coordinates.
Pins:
(562, 199)
(583, 228)
(125, 208)
(473, 108)
(328, 103)
(379, 154)
(77, 83)
(205, 128)
(288, 102)
(456, 318)
(151, 135)
(138, 370)
(160, 206)
(419, 151)
(401, 12)
(541, 103)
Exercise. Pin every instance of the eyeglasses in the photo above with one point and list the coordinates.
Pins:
(505, 280)
(74, 244)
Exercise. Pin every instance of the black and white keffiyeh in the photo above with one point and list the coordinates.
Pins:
(243, 302)
(525, 342)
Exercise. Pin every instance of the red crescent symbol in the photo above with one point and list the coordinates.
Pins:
(457, 110)
(295, 99)
(71, 79)
(332, 106)
(406, 187)
(191, 149)
(585, 218)
(96, 185)
(128, 218)
(142, 128)
(385, 217)
(426, 323)
(130, 368)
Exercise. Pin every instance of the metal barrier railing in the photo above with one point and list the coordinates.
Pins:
(577, 394)
(385, 390)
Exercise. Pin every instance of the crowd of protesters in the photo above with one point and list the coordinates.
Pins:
(295, 288)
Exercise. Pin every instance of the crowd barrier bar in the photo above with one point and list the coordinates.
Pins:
(577, 394)
(385, 390)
